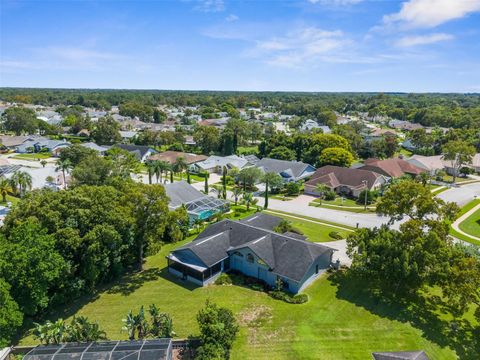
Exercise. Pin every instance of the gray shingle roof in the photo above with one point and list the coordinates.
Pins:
(181, 192)
(262, 221)
(400, 355)
(295, 168)
(138, 150)
(286, 256)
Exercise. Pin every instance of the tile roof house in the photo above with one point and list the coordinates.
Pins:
(432, 164)
(347, 181)
(215, 164)
(252, 248)
(198, 205)
(404, 125)
(288, 170)
(12, 142)
(142, 153)
(172, 156)
(400, 355)
(393, 168)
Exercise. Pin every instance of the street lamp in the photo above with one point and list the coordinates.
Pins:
(364, 182)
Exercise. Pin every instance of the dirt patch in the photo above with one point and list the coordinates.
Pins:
(255, 316)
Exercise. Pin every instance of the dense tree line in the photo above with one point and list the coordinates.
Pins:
(446, 110)
(56, 246)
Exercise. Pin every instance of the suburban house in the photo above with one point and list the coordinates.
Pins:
(199, 206)
(42, 144)
(378, 133)
(393, 168)
(215, 164)
(288, 170)
(100, 149)
(310, 124)
(127, 134)
(251, 247)
(141, 152)
(432, 164)
(172, 156)
(345, 181)
(404, 125)
(11, 142)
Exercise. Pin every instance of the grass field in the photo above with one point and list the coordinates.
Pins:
(12, 199)
(340, 321)
(33, 157)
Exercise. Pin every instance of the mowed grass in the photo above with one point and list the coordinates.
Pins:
(315, 231)
(471, 225)
(338, 322)
(33, 157)
(464, 210)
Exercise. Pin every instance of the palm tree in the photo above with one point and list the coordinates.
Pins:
(321, 189)
(151, 166)
(249, 199)
(130, 324)
(237, 191)
(160, 168)
(22, 181)
(5, 188)
(64, 166)
(180, 165)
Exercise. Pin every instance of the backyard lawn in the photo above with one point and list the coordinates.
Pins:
(340, 321)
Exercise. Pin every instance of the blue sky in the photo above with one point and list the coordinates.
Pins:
(279, 45)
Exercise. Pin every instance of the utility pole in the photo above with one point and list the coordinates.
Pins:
(365, 185)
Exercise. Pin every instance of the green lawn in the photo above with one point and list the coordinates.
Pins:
(33, 157)
(464, 210)
(340, 321)
(471, 225)
(345, 205)
(12, 199)
(314, 231)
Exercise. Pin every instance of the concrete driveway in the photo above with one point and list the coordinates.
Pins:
(341, 253)
(462, 194)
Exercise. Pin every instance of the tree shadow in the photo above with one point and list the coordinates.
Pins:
(131, 282)
(188, 285)
(422, 312)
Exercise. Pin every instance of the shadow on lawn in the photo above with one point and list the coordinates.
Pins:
(421, 312)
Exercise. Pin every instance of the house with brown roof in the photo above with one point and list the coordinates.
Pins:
(172, 156)
(393, 168)
(345, 181)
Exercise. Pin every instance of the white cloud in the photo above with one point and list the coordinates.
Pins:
(431, 13)
(210, 5)
(232, 18)
(300, 46)
(335, 2)
(408, 41)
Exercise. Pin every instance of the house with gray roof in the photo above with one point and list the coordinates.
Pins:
(288, 170)
(250, 246)
(100, 149)
(39, 144)
(141, 152)
(198, 205)
(215, 164)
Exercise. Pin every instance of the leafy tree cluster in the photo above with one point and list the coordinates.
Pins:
(218, 329)
(138, 326)
(80, 329)
(55, 246)
(135, 109)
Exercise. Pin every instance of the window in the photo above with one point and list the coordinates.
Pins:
(250, 258)
(238, 253)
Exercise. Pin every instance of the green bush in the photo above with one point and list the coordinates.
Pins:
(299, 299)
(329, 195)
(224, 279)
(288, 298)
(335, 235)
(292, 188)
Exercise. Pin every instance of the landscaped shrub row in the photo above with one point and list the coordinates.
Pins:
(335, 235)
(289, 298)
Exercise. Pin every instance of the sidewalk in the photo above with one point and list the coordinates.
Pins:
(462, 218)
